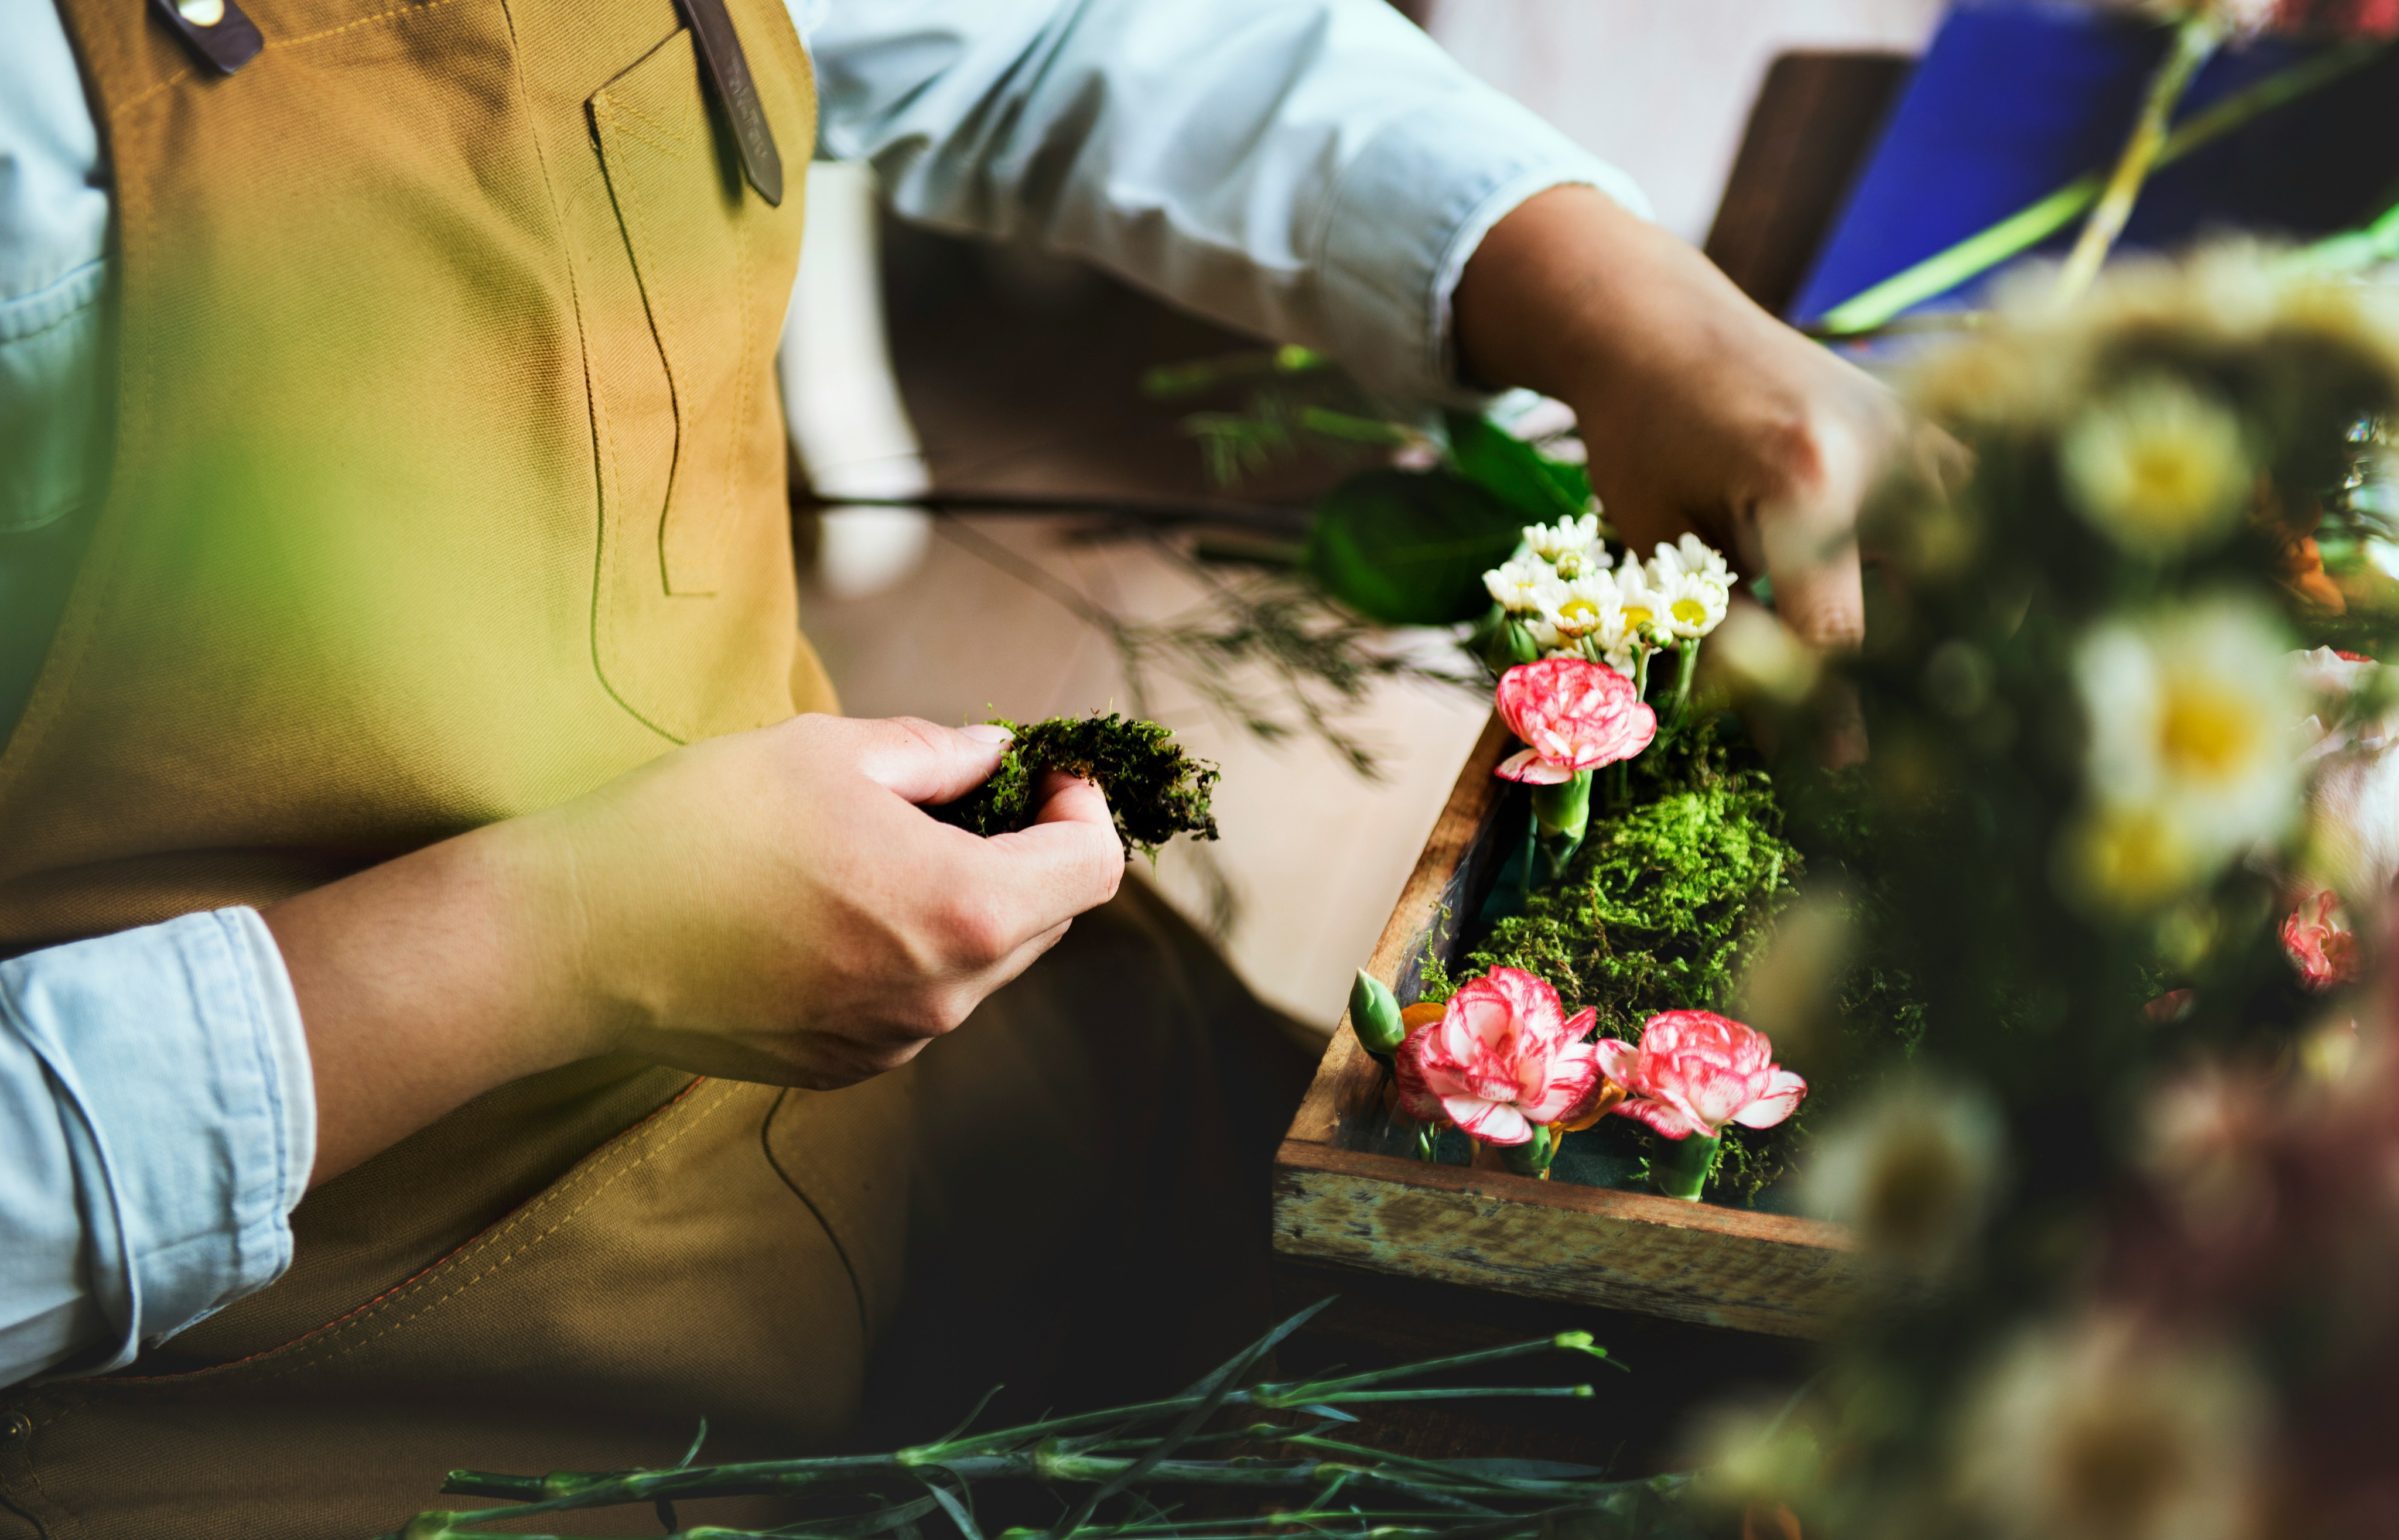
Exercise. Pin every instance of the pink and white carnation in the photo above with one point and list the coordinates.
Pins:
(1573, 715)
(1503, 1056)
(2318, 940)
(1695, 1072)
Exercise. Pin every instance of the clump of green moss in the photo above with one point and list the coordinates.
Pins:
(1154, 791)
(1674, 892)
(1671, 895)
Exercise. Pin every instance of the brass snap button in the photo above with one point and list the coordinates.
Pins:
(16, 1432)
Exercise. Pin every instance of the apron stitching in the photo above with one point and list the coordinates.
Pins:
(712, 544)
(702, 1116)
(682, 137)
(514, 1218)
(642, 129)
(416, 6)
(125, 106)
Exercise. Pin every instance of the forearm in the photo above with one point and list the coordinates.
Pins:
(429, 979)
(1310, 171)
(1701, 412)
(1575, 297)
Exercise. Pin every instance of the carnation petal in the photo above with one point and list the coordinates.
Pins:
(1782, 1099)
(1492, 1122)
(1668, 1121)
(1617, 1059)
(1532, 769)
(1572, 1072)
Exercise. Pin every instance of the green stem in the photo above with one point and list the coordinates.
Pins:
(1671, 720)
(2355, 250)
(2035, 223)
(1532, 1157)
(2195, 42)
(1686, 1171)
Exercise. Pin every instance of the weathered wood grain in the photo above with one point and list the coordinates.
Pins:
(1338, 1202)
(1348, 1078)
(1727, 1267)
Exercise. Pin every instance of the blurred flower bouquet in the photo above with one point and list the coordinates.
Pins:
(2136, 818)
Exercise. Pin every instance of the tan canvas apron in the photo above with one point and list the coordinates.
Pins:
(447, 483)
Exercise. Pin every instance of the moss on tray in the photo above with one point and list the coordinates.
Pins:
(1154, 791)
(1664, 907)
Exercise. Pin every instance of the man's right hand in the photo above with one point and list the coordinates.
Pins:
(768, 906)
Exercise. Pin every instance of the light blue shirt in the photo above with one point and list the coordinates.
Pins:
(1309, 171)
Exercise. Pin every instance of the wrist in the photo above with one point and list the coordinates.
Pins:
(428, 981)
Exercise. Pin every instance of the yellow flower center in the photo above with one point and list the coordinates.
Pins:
(2204, 735)
(2170, 482)
(1635, 618)
(2131, 860)
(1577, 614)
(1691, 611)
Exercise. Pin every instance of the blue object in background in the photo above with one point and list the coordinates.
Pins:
(2016, 98)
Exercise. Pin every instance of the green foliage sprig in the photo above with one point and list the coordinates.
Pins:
(1341, 1491)
(1154, 790)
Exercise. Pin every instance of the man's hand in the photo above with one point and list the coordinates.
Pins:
(770, 906)
(1702, 411)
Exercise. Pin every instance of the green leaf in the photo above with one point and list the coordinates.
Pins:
(1541, 490)
(1410, 547)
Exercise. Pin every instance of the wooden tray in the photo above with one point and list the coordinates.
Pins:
(1345, 1196)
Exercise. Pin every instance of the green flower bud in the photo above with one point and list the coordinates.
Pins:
(1375, 1015)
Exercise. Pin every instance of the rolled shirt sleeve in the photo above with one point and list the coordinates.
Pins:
(158, 1127)
(1310, 171)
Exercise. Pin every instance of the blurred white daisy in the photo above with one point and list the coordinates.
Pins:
(2187, 713)
(1912, 1172)
(2160, 469)
(2097, 1430)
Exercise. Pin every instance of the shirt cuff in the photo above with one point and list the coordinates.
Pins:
(178, 1071)
(1410, 212)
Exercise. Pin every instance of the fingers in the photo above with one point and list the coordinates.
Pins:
(924, 762)
(1065, 797)
(1817, 591)
(1069, 859)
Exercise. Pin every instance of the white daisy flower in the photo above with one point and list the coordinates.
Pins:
(1551, 541)
(2159, 467)
(1573, 611)
(1516, 585)
(1693, 603)
(1574, 564)
(2187, 759)
(1643, 606)
(1694, 556)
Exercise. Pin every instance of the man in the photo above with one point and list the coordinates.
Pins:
(415, 770)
